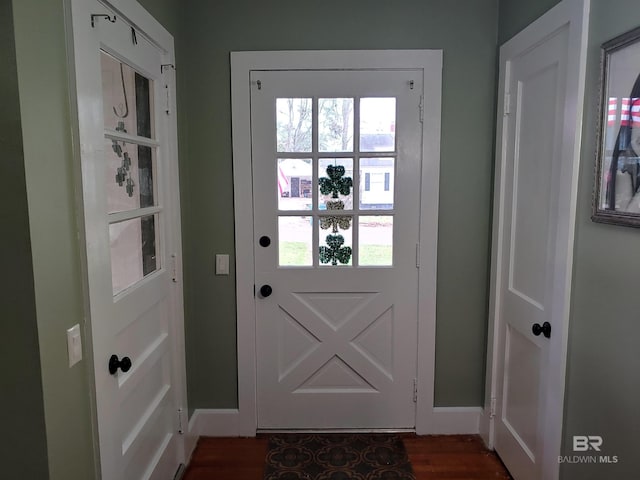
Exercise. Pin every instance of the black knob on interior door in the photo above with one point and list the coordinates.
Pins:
(114, 364)
(545, 329)
(264, 241)
(266, 290)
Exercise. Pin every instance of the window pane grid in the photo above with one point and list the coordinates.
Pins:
(325, 211)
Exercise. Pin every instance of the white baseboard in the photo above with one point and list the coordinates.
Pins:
(444, 421)
(215, 423)
(455, 420)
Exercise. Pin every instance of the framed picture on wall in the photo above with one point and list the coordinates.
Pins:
(617, 184)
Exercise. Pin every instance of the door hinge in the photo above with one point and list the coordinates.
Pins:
(417, 255)
(507, 104)
(492, 411)
(174, 268)
(181, 421)
(167, 99)
(415, 390)
(421, 108)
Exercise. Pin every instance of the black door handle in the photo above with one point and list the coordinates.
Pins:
(266, 290)
(114, 364)
(545, 329)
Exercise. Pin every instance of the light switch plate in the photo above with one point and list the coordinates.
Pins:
(222, 264)
(74, 345)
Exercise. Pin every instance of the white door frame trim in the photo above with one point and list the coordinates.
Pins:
(574, 13)
(242, 63)
(146, 25)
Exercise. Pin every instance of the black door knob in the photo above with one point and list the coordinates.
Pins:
(264, 241)
(266, 290)
(114, 364)
(545, 329)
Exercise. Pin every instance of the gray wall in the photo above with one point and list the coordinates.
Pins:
(467, 31)
(44, 105)
(604, 357)
(21, 410)
(517, 14)
(602, 386)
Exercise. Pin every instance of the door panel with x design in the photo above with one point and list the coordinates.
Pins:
(350, 337)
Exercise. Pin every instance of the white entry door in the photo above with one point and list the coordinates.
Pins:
(129, 175)
(541, 81)
(336, 174)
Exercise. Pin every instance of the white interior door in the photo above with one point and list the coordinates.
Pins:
(536, 211)
(129, 190)
(336, 176)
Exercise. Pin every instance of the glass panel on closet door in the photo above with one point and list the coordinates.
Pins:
(129, 175)
(127, 98)
(133, 251)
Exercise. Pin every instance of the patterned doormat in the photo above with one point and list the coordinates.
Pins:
(337, 457)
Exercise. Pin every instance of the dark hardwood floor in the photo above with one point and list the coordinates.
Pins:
(450, 457)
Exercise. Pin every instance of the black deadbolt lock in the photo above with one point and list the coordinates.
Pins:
(265, 290)
(265, 241)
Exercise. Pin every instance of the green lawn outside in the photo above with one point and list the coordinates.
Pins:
(296, 253)
(376, 255)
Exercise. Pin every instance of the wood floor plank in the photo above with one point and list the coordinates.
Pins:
(433, 457)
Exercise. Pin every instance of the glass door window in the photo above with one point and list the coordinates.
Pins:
(335, 167)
